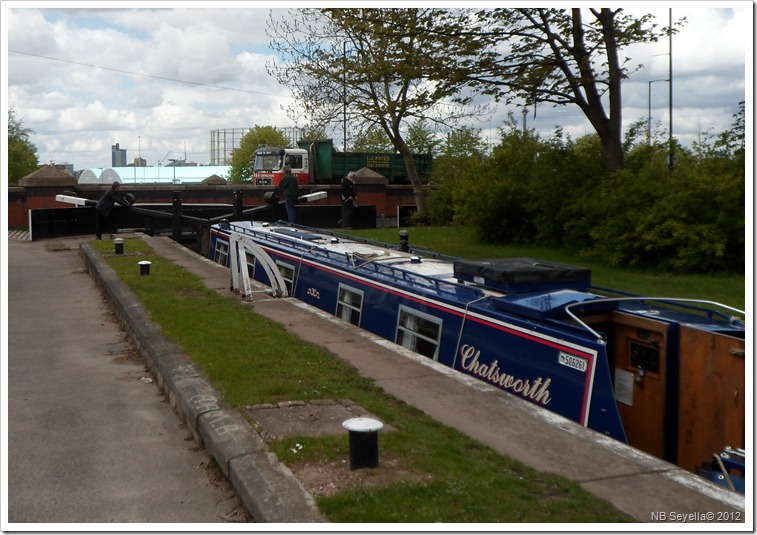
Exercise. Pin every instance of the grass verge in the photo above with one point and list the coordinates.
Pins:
(458, 241)
(252, 360)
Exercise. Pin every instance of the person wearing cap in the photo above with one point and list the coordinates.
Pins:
(348, 200)
(291, 191)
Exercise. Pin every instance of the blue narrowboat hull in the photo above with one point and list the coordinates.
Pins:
(531, 328)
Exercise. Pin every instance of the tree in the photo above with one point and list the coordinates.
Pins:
(461, 158)
(374, 140)
(732, 140)
(22, 154)
(464, 142)
(421, 139)
(561, 57)
(373, 68)
(311, 134)
(243, 160)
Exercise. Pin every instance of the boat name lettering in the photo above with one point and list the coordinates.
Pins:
(314, 293)
(572, 361)
(536, 390)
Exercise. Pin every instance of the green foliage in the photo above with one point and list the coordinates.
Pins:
(561, 56)
(373, 140)
(495, 202)
(242, 159)
(690, 220)
(22, 157)
(462, 155)
(374, 67)
(557, 192)
(311, 134)
(420, 138)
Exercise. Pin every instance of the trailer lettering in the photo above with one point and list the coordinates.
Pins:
(377, 160)
(536, 391)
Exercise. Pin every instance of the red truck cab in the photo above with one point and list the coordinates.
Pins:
(270, 161)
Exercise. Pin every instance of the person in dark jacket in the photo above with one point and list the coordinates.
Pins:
(349, 202)
(291, 190)
(104, 208)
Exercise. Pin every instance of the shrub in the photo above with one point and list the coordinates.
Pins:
(529, 191)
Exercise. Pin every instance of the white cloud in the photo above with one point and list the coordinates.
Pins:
(78, 103)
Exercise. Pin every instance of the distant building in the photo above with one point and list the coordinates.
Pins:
(185, 174)
(67, 167)
(225, 141)
(118, 156)
(140, 162)
(47, 175)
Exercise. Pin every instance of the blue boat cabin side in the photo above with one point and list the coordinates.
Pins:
(640, 374)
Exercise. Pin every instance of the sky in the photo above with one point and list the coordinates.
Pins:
(158, 80)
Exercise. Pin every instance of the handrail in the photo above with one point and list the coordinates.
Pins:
(239, 267)
(601, 340)
(345, 259)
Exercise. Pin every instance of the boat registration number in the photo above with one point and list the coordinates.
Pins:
(572, 361)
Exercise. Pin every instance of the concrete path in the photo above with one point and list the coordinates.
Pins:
(90, 436)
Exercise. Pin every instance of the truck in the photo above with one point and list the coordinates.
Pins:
(318, 163)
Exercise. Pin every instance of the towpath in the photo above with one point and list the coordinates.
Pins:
(90, 436)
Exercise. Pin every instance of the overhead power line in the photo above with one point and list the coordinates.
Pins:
(147, 75)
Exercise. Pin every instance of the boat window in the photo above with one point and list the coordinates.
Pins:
(287, 273)
(419, 332)
(349, 304)
(250, 259)
(221, 255)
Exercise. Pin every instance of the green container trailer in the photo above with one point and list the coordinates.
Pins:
(329, 165)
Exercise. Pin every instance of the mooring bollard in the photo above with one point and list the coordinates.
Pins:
(119, 243)
(144, 268)
(363, 442)
(404, 241)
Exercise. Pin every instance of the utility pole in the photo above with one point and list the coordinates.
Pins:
(344, 109)
(671, 156)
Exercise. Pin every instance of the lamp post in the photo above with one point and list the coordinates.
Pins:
(649, 109)
(525, 112)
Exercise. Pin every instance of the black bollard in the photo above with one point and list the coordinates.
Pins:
(144, 268)
(363, 442)
(119, 244)
(404, 241)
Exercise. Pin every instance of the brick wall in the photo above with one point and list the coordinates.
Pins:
(22, 199)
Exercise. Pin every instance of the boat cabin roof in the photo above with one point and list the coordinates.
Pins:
(468, 280)
(528, 287)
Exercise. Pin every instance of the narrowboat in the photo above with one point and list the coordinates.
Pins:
(664, 375)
